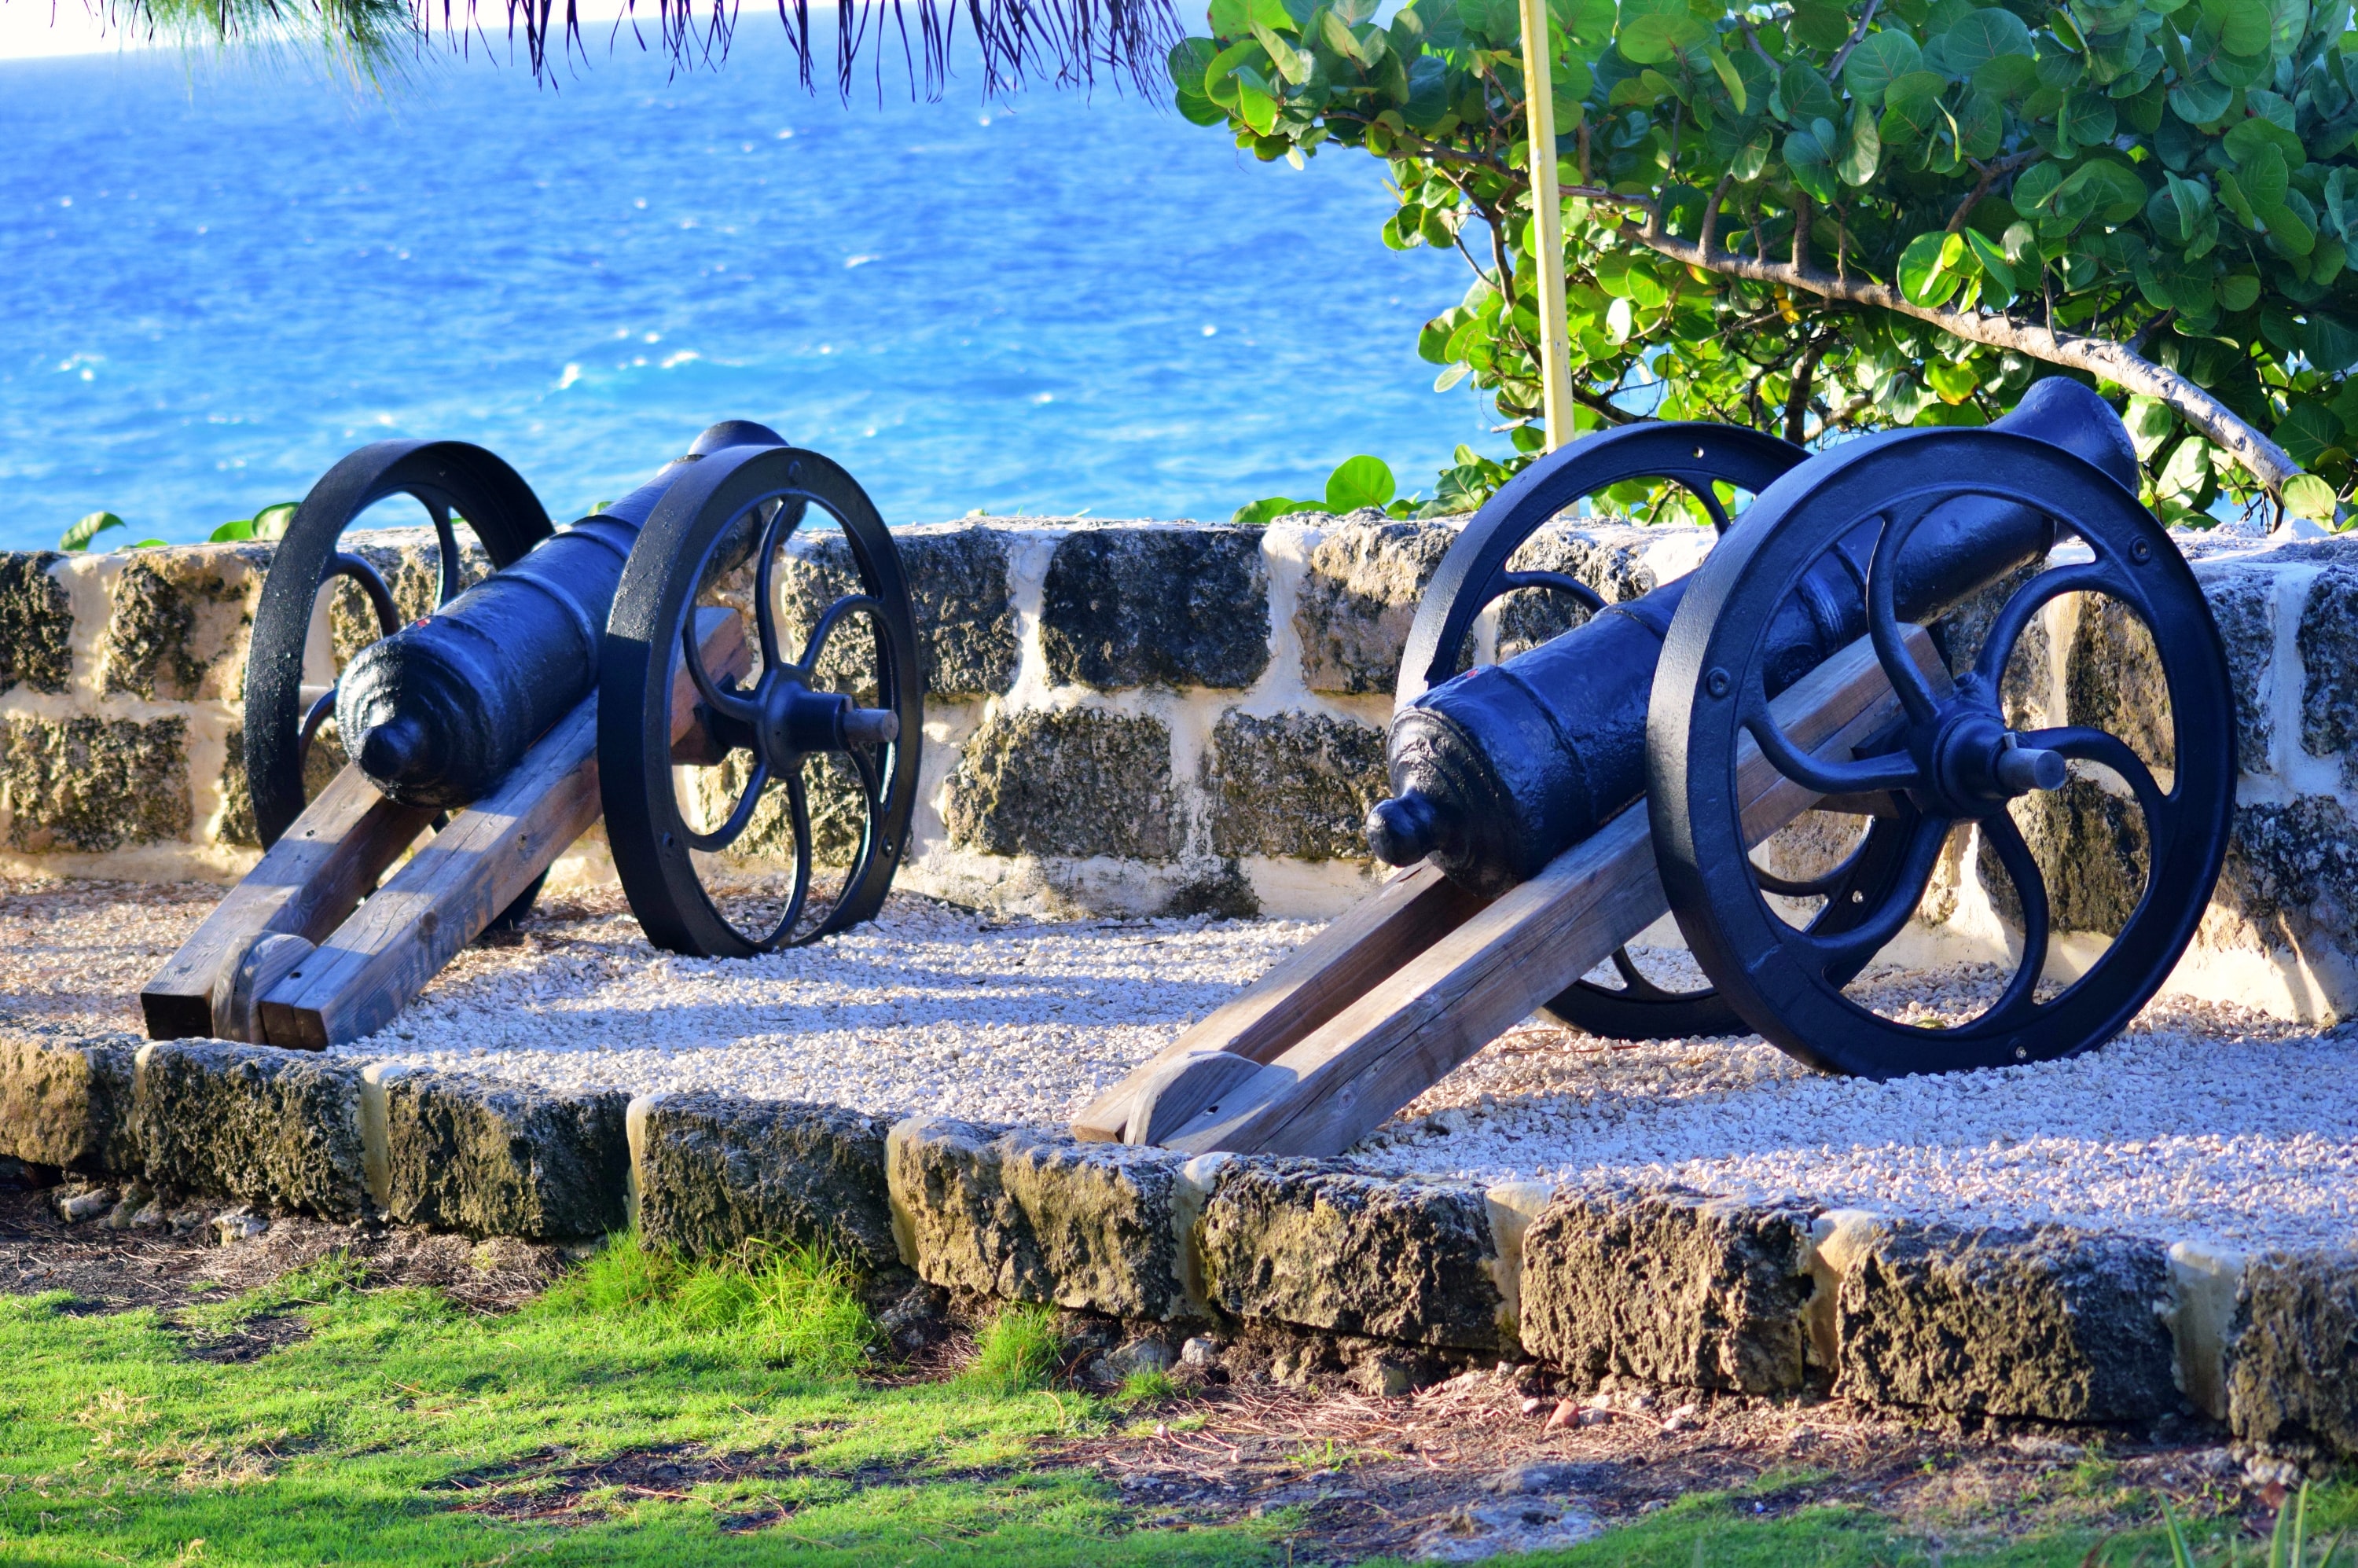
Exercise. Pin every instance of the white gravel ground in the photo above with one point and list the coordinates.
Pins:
(2200, 1121)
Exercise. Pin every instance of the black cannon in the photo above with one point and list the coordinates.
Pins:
(1553, 805)
(603, 669)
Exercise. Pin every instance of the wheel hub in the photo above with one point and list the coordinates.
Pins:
(1975, 764)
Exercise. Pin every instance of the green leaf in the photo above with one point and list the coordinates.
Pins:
(2305, 495)
(1359, 481)
(2239, 292)
(2007, 76)
(2246, 26)
(1256, 108)
(1807, 156)
(1980, 36)
(1291, 63)
(1992, 259)
(1805, 93)
(1729, 77)
(1924, 277)
(2089, 119)
(1652, 30)
(1819, 24)
(231, 533)
(1271, 508)
(2307, 432)
(1583, 21)
(2245, 139)
(1880, 59)
(1857, 163)
(1224, 65)
(1911, 105)
(2188, 473)
(2330, 342)
(78, 536)
(2149, 423)
(2289, 19)
(1231, 19)
(2198, 99)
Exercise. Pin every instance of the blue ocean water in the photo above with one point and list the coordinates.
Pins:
(218, 279)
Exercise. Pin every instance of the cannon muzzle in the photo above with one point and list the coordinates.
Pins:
(1497, 772)
(439, 711)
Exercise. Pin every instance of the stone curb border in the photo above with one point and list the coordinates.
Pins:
(1670, 1287)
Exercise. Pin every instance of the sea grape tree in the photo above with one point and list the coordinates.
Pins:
(1816, 216)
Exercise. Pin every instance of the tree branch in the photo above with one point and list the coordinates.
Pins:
(2259, 455)
(1858, 36)
(1797, 394)
(1991, 174)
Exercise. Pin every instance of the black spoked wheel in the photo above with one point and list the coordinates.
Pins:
(1475, 574)
(457, 484)
(759, 792)
(1952, 758)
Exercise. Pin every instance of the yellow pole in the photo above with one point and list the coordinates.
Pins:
(1547, 208)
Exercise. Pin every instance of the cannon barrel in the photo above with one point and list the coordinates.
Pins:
(1497, 772)
(437, 713)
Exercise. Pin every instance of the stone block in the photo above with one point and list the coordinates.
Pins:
(1028, 1216)
(1296, 785)
(65, 1098)
(1167, 606)
(2047, 1324)
(410, 562)
(2327, 642)
(716, 1172)
(36, 622)
(1359, 597)
(2291, 874)
(1075, 781)
(2292, 1365)
(2090, 846)
(2243, 602)
(497, 1159)
(93, 785)
(178, 621)
(236, 824)
(2112, 681)
(958, 598)
(1672, 1287)
(1621, 563)
(1300, 1242)
(275, 1128)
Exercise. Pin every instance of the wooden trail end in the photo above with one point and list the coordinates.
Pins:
(1400, 989)
(368, 965)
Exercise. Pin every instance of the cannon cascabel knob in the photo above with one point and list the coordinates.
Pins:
(1404, 829)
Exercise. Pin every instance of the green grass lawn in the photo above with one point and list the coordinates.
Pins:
(391, 1426)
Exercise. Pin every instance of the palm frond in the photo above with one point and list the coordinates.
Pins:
(1017, 43)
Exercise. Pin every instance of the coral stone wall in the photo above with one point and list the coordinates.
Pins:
(1148, 717)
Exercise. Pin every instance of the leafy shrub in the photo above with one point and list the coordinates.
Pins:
(1834, 216)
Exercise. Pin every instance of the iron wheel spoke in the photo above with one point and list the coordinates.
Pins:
(2109, 750)
(318, 714)
(1868, 776)
(344, 563)
(799, 810)
(765, 615)
(829, 619)
(740, 817)
(1551, 582)
(448, 538)
(2031, 887)
(737, 706)
(1863, 941)
(1989, 666)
